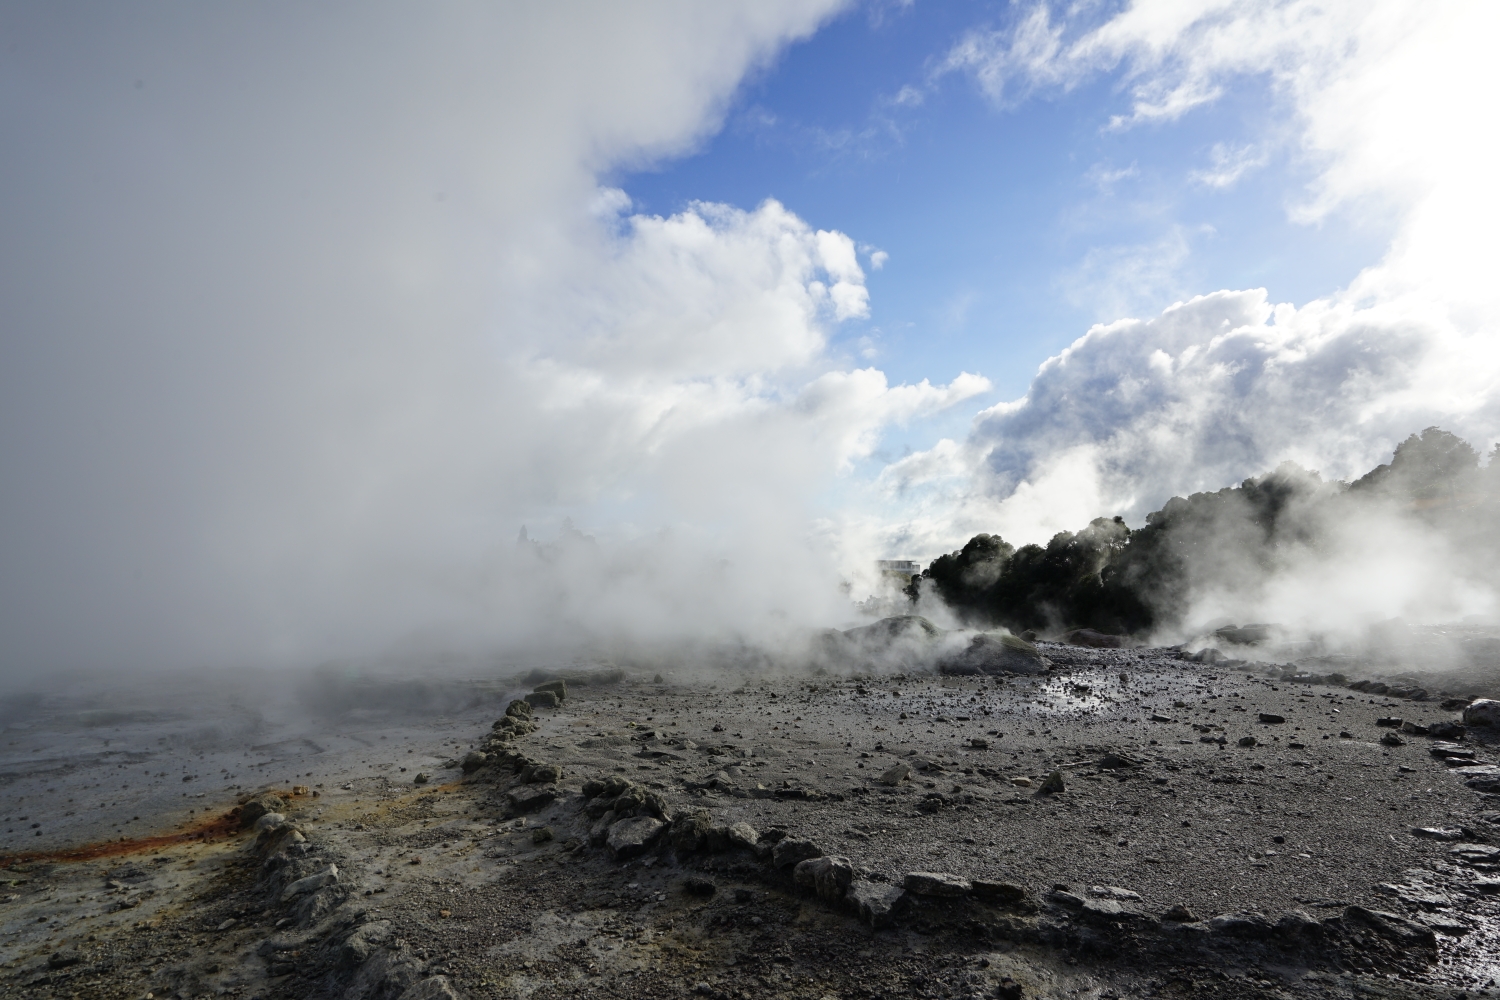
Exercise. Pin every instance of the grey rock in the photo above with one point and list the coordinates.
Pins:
(1180, 914)
(432, 988)
(631, 837)
(363, 941)
(789, 851)
(896, 774)
(474, 760)
(935, 884)
(1095, 909)
(1244, 925)
(269, 821)
(1446, 730)
(543, 699)
(1003, 893)
(690, 831)
(875, 903)
(1484, 712)
(599, 832)
(1437, 833)
(559, 688)
(829, 877)
(518, 710)
(743, 835)
(310, 884)
(529, 798)
(256, 806)
(1407, 933)
(996, 653)
(541, 774)
(1114, 892)
(1298, 924)
(1053, 784)
(1271, 720)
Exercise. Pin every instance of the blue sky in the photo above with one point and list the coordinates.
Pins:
(1006, 232)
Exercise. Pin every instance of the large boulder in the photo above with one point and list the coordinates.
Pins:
(1484, 712)
(996, 653)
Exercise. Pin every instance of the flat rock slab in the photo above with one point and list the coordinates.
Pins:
(874, 902)
(936, 884)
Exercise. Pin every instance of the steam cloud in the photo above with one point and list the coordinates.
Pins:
(305, 313)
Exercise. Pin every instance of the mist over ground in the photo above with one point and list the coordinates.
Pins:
(307, 314)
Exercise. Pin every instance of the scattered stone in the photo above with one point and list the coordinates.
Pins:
(1412, 729)
(1436, 833)
(433, 988)
(63, 959)
(628, 838)
(1247, 741)
(1446, 731)
(1271, 720)
(312, 883)
(1180, 914)
(979, 743)
(474, 760)
(1053, 784)
(788, 852)
(1390, 722)
(935, 884)
(896, 774)
(1392, 740)
(1021, 782)
(541, 835)
(420, 779)
(874, 902)
(1115, 761)
(1484, 712)
(1159, 718)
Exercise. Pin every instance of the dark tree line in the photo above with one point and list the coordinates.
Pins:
(1114, 579)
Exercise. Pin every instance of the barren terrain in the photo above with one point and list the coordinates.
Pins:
(758, 835)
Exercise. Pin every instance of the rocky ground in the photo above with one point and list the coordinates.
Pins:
(1220, 829)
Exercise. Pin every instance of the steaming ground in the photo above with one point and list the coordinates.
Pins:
(448, 880)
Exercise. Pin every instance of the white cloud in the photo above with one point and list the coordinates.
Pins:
(288, 365)
(1383, 98)
(1228, 164)
(1105, 177)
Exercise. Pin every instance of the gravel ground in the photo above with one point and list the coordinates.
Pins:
(1162, 807)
